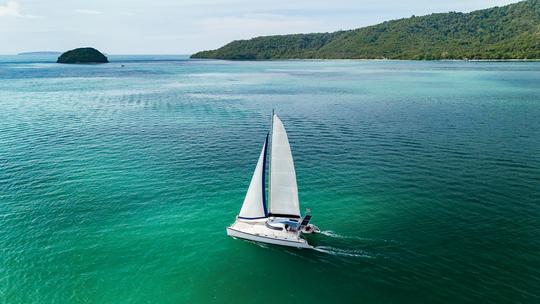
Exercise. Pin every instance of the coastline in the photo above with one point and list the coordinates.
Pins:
(373, 59)
(498, 33)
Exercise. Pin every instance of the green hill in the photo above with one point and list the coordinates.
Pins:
(508, 32)
(82, 55)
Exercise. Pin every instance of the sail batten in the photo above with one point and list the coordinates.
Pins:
(283, 188)
(254, 206)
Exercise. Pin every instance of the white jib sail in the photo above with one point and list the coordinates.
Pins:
(254, 206)
(283, 188)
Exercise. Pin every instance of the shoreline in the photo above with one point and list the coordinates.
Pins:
(188, 56)
(373, 59)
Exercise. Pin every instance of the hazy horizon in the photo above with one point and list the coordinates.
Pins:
(165, 27)
(106, 53)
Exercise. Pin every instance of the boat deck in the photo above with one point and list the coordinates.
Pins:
(258, 231)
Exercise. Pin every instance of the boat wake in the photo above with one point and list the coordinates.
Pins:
(343, 252)
(262, 245)
(331, 233)
(348, 245)
(335, 235)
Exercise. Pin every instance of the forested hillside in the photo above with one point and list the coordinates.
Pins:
(509, 32)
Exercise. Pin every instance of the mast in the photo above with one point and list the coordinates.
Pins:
(270, 160)
(263, 175)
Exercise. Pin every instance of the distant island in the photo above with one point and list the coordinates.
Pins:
(40, 53)
(83, 55)
(508, 32)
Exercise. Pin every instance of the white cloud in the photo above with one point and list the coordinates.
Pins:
(259, 24)
(11, 8)
(87, 11)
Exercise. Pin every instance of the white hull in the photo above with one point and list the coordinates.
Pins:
(259, 233)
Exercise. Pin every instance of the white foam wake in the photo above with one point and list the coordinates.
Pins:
(333, 234)
(343, 252)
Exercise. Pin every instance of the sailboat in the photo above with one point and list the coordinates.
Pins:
(281, 223)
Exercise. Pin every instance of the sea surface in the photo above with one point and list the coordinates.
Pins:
(117, 181)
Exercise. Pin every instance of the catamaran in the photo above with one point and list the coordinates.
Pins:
(280, 223)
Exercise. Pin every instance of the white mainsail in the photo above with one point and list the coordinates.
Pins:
(283, 188)
(254, 206)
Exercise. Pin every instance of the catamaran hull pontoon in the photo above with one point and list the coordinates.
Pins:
(301, 243)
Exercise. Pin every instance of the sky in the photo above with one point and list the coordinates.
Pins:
(188, 26)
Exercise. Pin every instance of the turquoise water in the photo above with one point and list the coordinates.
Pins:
(117, 183)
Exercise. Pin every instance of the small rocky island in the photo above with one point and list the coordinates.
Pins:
(83, 55)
